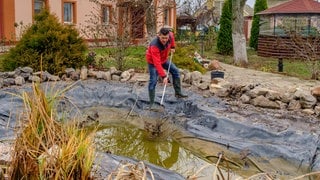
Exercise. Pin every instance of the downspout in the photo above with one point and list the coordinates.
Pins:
(274, 24)
(1, 20)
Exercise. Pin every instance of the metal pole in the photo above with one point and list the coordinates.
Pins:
(165, 85)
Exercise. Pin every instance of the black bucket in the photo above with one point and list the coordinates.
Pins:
(217, 74)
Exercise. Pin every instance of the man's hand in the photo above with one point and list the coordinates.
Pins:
(165, 81)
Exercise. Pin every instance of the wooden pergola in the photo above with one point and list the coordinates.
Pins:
(278, 25)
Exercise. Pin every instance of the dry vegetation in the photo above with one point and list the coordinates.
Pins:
(46, 148)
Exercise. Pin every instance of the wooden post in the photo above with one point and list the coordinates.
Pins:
(280, 65)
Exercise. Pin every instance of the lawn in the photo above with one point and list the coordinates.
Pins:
(135, 58)
(295, 68)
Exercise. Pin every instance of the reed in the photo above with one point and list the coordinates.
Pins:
(46, 148)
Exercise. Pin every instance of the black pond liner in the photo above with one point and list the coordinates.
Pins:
(292, 144)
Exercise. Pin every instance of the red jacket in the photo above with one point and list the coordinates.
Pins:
(157, 53)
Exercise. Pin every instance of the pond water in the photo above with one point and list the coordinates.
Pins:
(165, 144)
(167, 153)
(170, 146)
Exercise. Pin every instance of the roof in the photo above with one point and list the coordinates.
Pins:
(247, 11)
(295, 7)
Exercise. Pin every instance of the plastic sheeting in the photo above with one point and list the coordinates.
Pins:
(267, 134)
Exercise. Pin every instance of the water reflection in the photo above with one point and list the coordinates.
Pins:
(132, 142)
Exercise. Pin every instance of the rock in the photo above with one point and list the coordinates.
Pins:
(99, 75)
(308, 111)
(84, 73)
(273, 95)
(27, 70)
(317, 109)
(34, 78)
(74, 75)
(187, 78)
(69, 71)
(106, 76)
(307, 101)
(125, 76)
(214, 65)
(262, 101)
(245, 99)
(91, 73)
(316, 92)
(112, 70)
(196, 78)
(1, 82)
(19, 80)
(294, 105)
(258, 91)
(53, 78)
(115, 77)
(9, 82)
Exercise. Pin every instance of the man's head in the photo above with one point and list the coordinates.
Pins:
(168, 27)
(164, 35)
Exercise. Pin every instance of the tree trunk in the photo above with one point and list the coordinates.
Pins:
(238, 37)
(150, 20)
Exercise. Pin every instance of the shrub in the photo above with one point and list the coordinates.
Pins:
(184, 59)
(259, 6)
(224, 42)
(49, 45)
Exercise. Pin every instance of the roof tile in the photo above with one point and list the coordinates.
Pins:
(295, 7)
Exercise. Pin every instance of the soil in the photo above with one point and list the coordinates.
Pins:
(273, 81)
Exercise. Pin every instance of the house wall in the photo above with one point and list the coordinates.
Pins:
(1, 20)
(7, 17)
(23, 15)
(247, 27)
(21, 12)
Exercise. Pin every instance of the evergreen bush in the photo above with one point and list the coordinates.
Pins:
(259, 6)
(224, 41)
(184, 59)
(49, 45)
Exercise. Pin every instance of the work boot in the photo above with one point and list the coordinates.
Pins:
(152, 106)
(177, 88)
(152, 94)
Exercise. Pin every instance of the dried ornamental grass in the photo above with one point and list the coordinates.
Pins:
(129, 171)
(47, 149)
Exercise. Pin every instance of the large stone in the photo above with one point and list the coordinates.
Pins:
(125, 76)
(316, 92)
(19, 80)
(264, 102)
(27, 70)
(84, 73)
(307, 101)
(196, 77)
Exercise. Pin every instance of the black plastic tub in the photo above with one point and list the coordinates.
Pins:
(217, 74)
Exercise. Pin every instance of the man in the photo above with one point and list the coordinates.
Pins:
(157, 58)
(171, 36)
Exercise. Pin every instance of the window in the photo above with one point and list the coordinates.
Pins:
(38, 5)
(69, 13)
(106, 18)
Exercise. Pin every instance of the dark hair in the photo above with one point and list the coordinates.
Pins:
(164, 31)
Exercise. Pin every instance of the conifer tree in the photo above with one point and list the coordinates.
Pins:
(259, 6)
(224, 41)
(48, 45)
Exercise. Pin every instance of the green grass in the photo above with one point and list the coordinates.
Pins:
(1, 61)
(135, 58)
(295, 68)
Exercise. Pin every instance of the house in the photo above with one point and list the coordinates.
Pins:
(210, 12)
(86, 15)
(298, 16)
